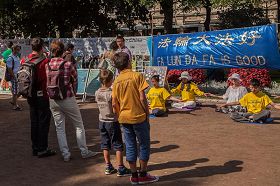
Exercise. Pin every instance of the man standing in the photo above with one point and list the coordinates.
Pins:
(122, 48)
(13, 65)
(40, 113)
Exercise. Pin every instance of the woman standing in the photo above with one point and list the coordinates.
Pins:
(65, 105)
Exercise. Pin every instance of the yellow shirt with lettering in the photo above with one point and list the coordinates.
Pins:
(126, 89)
(188, 91)
(157, 98)
(255, 103)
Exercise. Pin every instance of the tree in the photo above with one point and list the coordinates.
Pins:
(209, 4)
(42, 17)
(242, 15)
(167, 10)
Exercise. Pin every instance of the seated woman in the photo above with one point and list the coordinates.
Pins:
(257, 104)
(188, 91)
(157, 96)
(233, 94)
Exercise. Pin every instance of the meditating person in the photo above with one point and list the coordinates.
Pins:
(233, 94)
(257, 104)
(157, 97)
(188, 91)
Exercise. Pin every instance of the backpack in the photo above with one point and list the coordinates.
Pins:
(56, 87)
(8, 76)
(26, 76)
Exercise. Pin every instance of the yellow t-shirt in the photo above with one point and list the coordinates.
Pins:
(126, 90)
(255, 103)
(189, 91)
(157, 97)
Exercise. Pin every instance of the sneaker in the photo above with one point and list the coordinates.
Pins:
(147, 179)
(110, 170)
(89, 154)
(134, 181)
(46, 153)
(123, 172)
(66, 158)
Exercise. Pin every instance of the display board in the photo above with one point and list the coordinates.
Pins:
(150, 71)
(93, 83)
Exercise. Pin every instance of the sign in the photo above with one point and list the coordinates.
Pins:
(93, 83)
(253, 47)
(155, 70)
(82, 79)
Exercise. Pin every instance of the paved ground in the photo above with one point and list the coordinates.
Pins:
(200, 148)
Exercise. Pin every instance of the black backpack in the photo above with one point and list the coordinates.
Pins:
(26, 76)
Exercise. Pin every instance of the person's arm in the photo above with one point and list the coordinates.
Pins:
(116, 106)
(216, 96)
(144, 103)
(174, 99)
(177, 89)
(199, 92)
(143, 85)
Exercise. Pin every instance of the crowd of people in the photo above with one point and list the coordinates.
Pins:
(124, 101)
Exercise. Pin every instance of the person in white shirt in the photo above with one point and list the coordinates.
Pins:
(233, 93)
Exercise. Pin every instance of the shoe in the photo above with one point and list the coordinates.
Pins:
(134, 181)
(110, 170)
(66, 158)
(46, 153)
(123, 172)
(89, 154)
(147, 179)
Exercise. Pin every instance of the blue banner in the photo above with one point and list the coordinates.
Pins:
(254, 47)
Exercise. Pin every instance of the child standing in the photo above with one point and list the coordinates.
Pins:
(108, 125)
(188, 91)
(256, 102)
(157, 96)
(133, 113)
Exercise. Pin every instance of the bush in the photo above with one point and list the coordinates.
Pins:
(198, 75)
(246, 74)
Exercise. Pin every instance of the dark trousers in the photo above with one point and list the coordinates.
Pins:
(40, 116)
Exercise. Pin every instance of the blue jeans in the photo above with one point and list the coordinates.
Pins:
(141, 132)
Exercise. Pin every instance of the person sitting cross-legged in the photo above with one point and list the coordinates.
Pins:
(157, 97)
(257, 104)
(188, 91)
(233, 94)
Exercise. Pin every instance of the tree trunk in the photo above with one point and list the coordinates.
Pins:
(167, 8)
(208, 7)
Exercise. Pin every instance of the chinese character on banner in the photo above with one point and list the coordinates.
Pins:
(225, 40)
(249, 38)
(164, 43)
(202, 39)
(182, 41)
